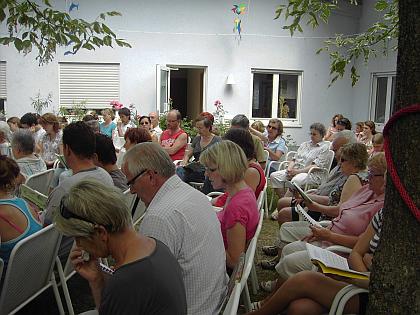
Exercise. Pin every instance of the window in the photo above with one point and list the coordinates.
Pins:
(94, 85)
(276, 94)
(383, 97)
(3, 90)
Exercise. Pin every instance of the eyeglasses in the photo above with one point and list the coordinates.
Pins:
(67, 214)
(132, 181)
(272, 127)
(210, 170)
(372, 174)
(144, 123)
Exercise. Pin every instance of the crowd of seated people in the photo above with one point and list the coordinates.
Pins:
(180, 224)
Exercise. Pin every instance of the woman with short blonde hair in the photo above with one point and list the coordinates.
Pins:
(99, 219)
(108, 126)
(51, 142)
(225, 164)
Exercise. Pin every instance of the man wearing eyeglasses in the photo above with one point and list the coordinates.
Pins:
(79, 147)
(182, 218)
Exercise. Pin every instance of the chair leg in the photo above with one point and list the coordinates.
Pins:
(246, 298)
(57, 295)
(63, 282)
(266, 205)
(254, 279)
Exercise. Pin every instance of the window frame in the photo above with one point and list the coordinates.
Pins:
(372, 104)
(287, 122)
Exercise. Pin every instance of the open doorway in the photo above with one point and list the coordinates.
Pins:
(187, 90)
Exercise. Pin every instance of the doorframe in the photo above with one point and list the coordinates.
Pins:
(205, 80)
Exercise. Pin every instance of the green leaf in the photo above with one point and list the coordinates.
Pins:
(2, 15)
(18, 44)
(381, 5)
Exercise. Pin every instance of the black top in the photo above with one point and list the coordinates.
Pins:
(151, 285)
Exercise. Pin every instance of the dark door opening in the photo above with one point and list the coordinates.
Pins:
(186, 90)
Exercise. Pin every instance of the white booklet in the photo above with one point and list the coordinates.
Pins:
(293, 187)
(331, 263)
(306, 216)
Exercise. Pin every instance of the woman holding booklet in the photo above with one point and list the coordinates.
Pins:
(353, 161)
(310, 292)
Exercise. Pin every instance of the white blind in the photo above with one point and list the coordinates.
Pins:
(3, 91)
(96, 83)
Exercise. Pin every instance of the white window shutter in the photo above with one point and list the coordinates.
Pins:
(95, 83)
(3, 90)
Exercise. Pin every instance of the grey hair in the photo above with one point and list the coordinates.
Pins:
(320, 128)
(96, 202)
(176, 112)
(149, 156)
(240, 120)
(346, 134)
(24, 141)
(5, 129)
(94, 124)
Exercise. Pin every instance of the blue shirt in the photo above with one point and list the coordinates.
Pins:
(278, 144)
(107, 130)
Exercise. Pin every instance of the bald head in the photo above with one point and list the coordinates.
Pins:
(154, 118)
(341, 138)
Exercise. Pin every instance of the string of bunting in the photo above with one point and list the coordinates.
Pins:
(391, 166)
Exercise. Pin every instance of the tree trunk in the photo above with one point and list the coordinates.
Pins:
(395, 280)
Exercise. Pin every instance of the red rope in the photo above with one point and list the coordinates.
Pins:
(391, 167)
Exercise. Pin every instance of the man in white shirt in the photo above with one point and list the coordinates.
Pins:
(154, 117)
(182, 218)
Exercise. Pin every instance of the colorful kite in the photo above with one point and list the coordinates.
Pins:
(73, 6)
(237, 27)
(239, 9)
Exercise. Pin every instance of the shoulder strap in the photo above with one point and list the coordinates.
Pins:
(11, 223)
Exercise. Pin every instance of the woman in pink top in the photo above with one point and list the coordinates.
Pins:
(239, 217)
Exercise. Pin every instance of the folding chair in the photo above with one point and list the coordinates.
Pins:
(342, 297)
(30, 271)
(41, 181)
(278, 166)
(322, 171)
(234, 281)
(233, 302)
(249, 262)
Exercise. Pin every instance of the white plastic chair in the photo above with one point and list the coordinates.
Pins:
(342, 297)
(1, 267)
(140, 209)
(30, 271)
(278, 166)
(323, 171)
(249, 263)
(64, 275)
(41, 181)
(233, 302)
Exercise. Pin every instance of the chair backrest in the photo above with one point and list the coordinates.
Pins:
(233, 302)
(330, 159)
(29, 270)
(1, 267)
(41, 181)
(234, 279)
(33, 197)
(249, 260)
(140, 209)
(290, 155)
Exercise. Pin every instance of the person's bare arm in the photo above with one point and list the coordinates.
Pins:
(356, 261)
(180, 142)
(351, 186)
(236, 239)
(252, 178)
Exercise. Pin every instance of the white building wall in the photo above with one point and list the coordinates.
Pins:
(199, 33)
(388, 63)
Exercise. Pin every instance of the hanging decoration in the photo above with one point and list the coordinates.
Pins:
(73, 6)
(238, 9)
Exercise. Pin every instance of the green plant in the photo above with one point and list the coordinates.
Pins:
(39, 103)
(186, 125)
(78, 110)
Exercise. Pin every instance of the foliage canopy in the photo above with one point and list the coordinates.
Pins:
(30, 25)
(344, 50)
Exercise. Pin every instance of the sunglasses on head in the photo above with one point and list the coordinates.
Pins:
(67, 214)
